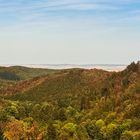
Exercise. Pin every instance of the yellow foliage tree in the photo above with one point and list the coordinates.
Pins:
(14, 130)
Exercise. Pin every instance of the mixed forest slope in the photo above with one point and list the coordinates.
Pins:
(11, 75)
(73, 82)
(72, 104)
(15, 73)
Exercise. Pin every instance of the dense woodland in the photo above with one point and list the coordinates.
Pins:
(72, 104)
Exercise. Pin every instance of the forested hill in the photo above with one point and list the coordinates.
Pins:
(72, 104)
(15, 73)
(12, 75)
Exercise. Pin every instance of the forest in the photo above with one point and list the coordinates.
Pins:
(70, 104)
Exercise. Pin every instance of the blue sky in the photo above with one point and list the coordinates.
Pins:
(69, 31)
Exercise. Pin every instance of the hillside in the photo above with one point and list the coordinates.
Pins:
(72, 104)
(14, 74)
(22, 73)
(68, 82)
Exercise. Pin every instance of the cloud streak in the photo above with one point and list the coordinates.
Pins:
(62, 5)
(45, 12)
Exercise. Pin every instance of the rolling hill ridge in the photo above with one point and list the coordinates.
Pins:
(72, 104)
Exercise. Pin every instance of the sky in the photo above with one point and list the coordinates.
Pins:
(69, 31)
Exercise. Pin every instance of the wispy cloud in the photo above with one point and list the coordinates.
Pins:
(33, 11)
(53, 6)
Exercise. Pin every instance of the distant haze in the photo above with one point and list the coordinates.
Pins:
(69, 31)
(107, 67)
